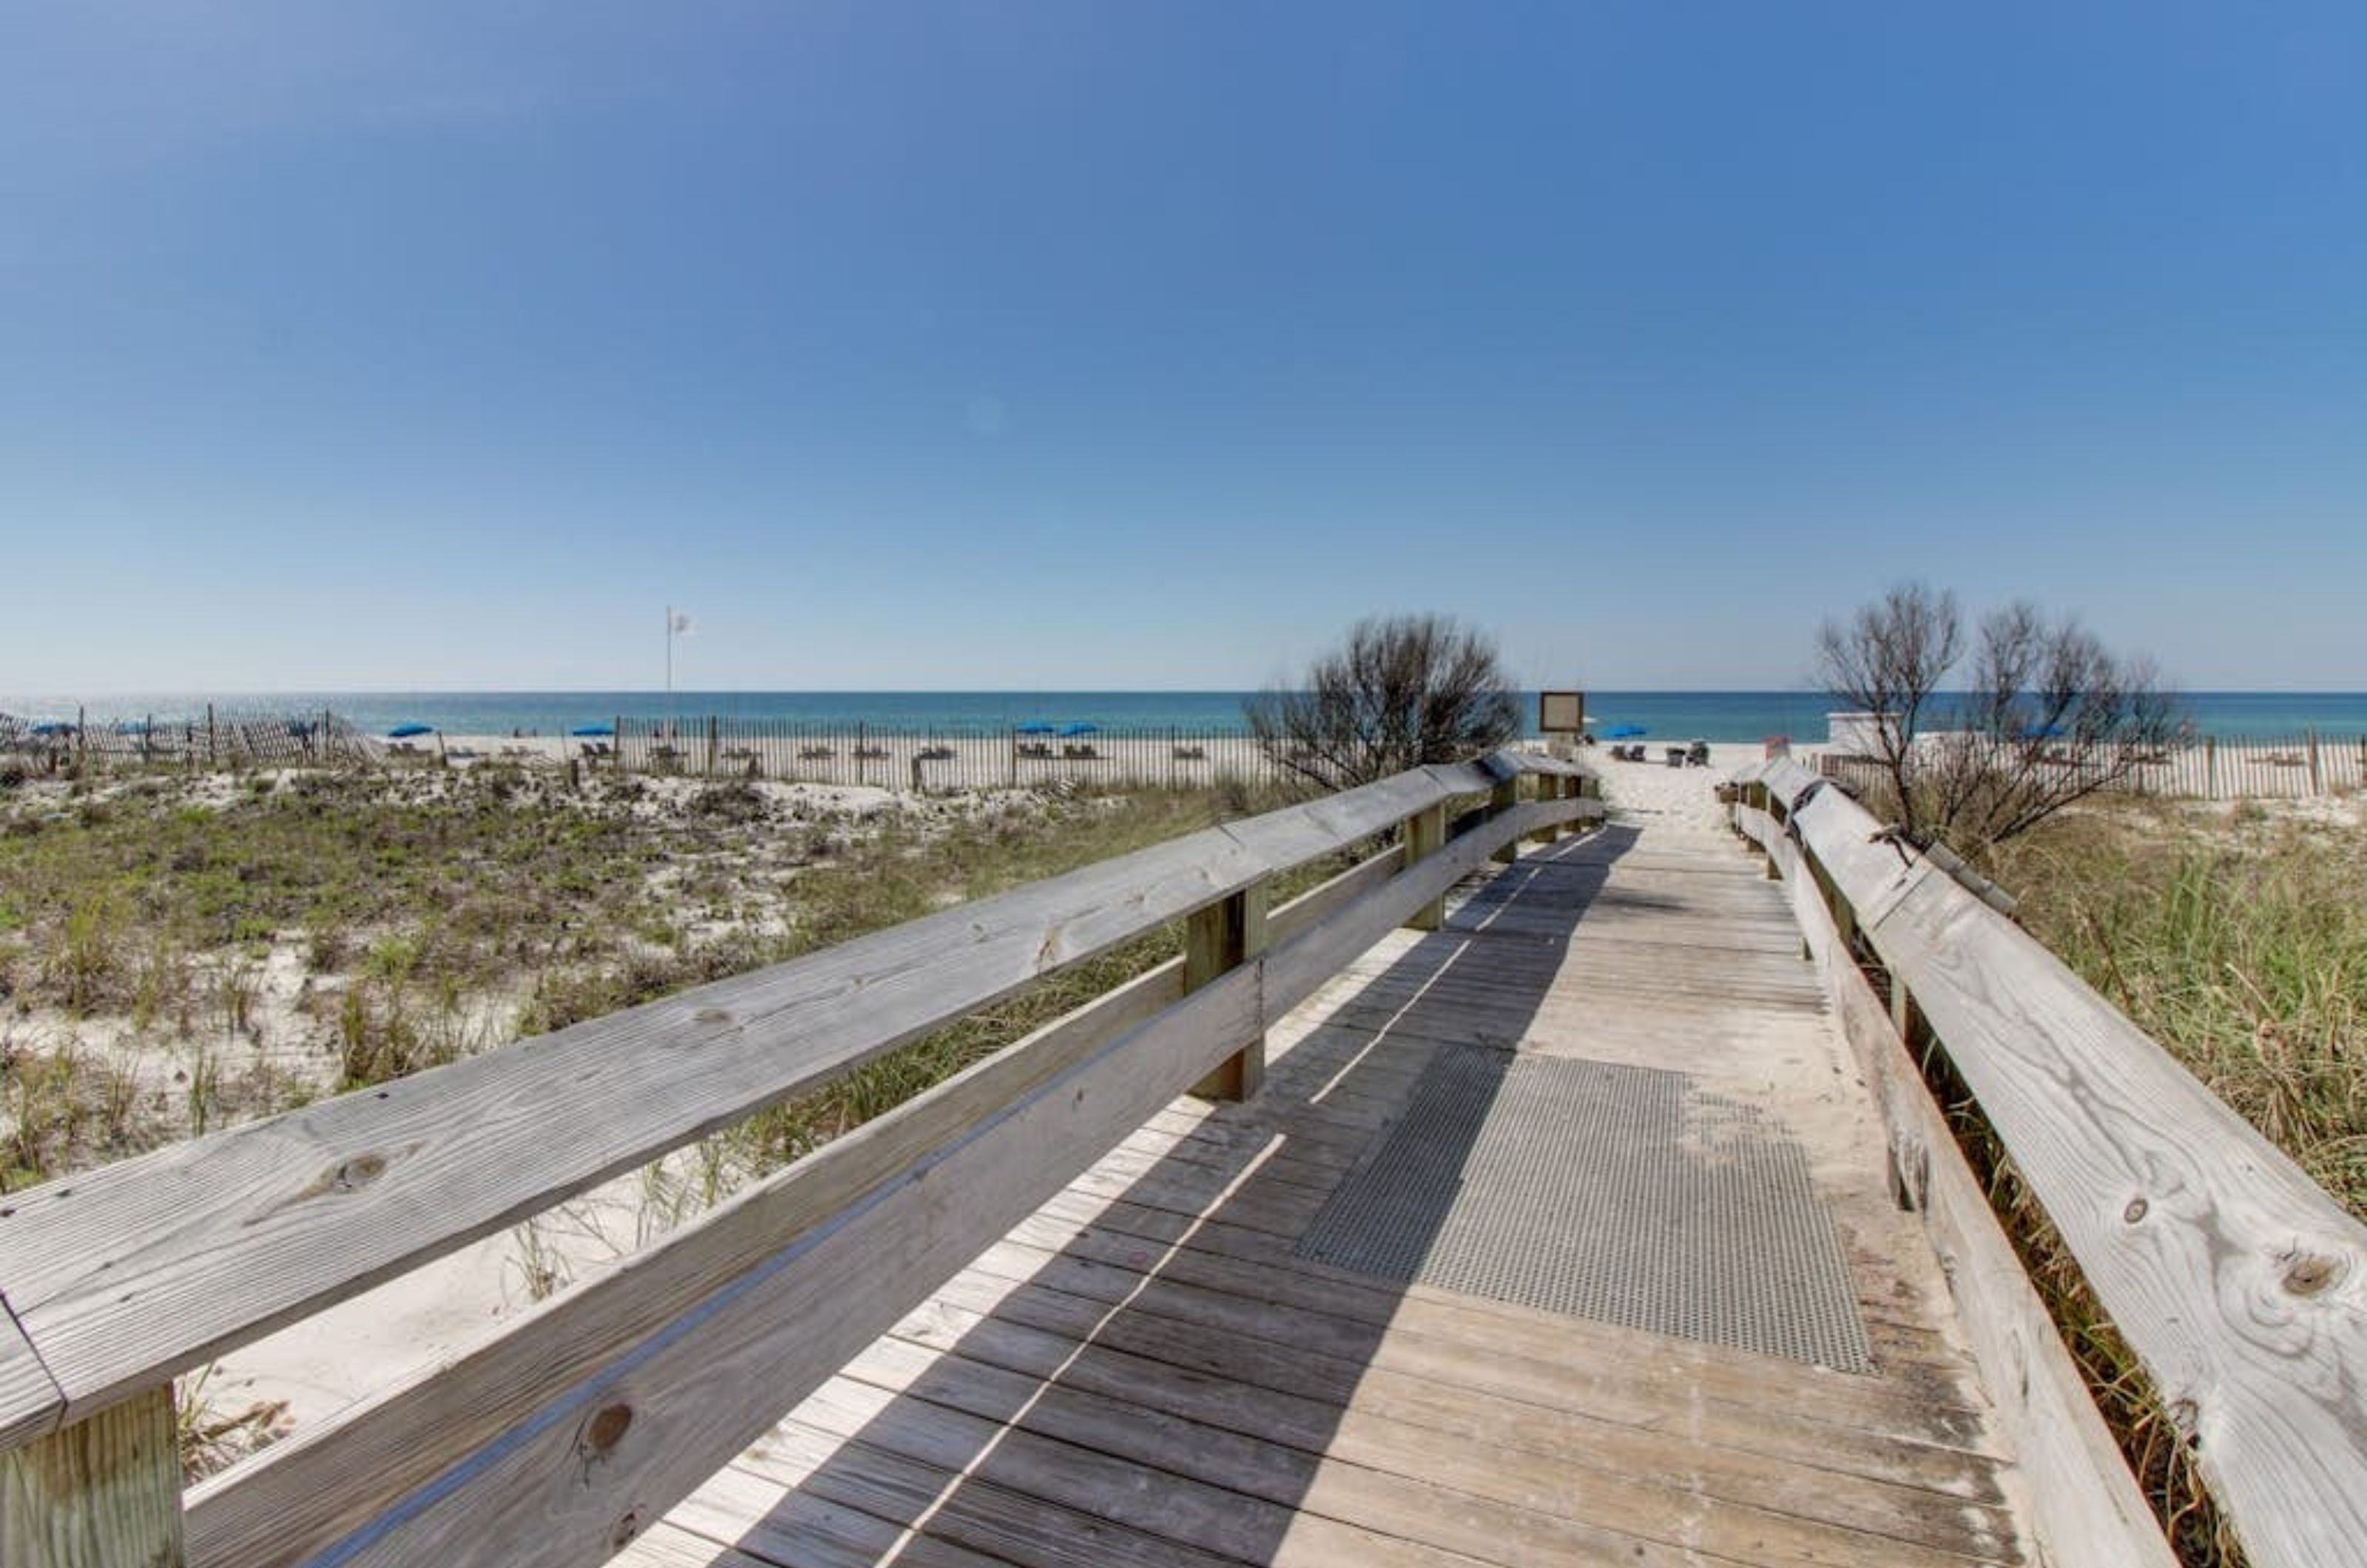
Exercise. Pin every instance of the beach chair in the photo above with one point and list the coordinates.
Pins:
(1079, 753)
(1697, 754)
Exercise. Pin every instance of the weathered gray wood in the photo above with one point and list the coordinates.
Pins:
(1425, 832)
(2084, 1504)
(104, 1493)
(2241, 1285)
(1281, 839)
(1296, 970)
(595, 1465)
(1217, 940)
(29, 1395)
(297, 1498)
(126, 1276)
(1506, 795)
(1329, 898)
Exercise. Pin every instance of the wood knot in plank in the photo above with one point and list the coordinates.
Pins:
(2309, 1274)
(605, 1429)
(711, 1015)
(349, 1175)
(2135, 1211)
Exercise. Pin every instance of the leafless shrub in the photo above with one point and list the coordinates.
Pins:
(1400, 691)
(2051, 715)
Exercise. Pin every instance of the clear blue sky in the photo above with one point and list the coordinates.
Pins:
(1048, 345)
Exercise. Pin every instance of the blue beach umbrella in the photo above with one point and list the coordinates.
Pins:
(592, 730)
(1624, 732)
(1068, 730)
(53, 727)
(409, 731)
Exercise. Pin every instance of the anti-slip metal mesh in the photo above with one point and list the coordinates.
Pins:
(1627, 1195)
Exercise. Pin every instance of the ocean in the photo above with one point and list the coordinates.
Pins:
(1706, 716)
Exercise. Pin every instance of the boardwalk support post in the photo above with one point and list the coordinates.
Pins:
(104, 1491)
(1220, 938)
(1502, 798)
(1425, 835)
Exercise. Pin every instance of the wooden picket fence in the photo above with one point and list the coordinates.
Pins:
(2296, 767)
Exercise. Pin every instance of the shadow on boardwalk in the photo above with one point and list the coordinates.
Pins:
(1144, 1372)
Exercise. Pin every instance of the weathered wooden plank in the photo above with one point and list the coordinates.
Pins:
(30, 1400)
(1434, 1331)
(1218, 938)
(1329, 898)
(800, 1528)
(1423, 1381)
(103, 1493)
(670, 1546)
(1721, 1450)
(626, 1442)
(1405, 1480)
(298, 1497)
(968, 1514)
(1877, 872)
(1280, 838)
(1296, 970)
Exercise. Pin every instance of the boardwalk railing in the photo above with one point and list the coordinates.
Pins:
(561, 1437)
(2240, 1284)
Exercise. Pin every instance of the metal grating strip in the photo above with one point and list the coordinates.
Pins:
(1627, 1195)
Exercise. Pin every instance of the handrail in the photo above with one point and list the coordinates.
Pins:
(119, 1278)
(2238, 1282)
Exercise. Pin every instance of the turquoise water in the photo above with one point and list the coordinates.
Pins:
(1708, 716)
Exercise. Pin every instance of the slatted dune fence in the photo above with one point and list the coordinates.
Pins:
(2253, 768)
(211, 736)
(2240, 1284)
(559, 1437)
(923, 758)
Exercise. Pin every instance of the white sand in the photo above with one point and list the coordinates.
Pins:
(1685, 797)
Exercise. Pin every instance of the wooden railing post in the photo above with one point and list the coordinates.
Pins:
(1222, 937)
(1503, 797)
(1425, 835)
(104, 1493)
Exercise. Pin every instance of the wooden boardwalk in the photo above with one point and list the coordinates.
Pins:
(1146, 1373)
